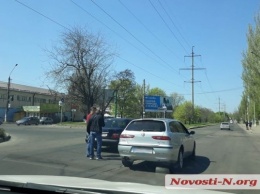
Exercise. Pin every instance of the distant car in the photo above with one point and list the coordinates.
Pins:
(28, 121)
(224, 125)
(112, 130)
(162, 141)
(46, 120)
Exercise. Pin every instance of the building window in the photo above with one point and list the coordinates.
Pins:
(23, 98)
(3, 96)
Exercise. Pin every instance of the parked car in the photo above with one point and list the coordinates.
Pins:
(46, 120)
(224, 125)
(112, 130)
(162, 141)
(28, 121)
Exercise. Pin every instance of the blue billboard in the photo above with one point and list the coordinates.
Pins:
(157, 104)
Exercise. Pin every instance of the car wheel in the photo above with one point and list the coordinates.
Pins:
(220, 128)
(180, 161)
(126, 162)
(178, 166)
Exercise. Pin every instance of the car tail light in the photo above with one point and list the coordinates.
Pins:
(126, 136)
(115, 136)
(161, 137)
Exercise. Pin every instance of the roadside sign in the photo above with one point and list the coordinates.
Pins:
(157, 104)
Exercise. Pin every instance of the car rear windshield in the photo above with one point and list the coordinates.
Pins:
(113, 123)
(144, 125)
(225, 123)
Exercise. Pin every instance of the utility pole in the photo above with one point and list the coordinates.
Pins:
(224, 112)
(143, 115)
(8, 95)
(115, 101)
(219, 105)
(192, 77)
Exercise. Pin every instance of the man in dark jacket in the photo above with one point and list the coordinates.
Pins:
(94, 127)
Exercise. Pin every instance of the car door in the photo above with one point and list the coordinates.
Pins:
(186, 138)
(176, 138)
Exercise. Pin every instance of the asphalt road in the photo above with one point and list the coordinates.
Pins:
(52, 150)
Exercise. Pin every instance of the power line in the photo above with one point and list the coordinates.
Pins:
(148, 30)
(57, 23)
(147, 71)
(217, 91)
(132, 35)
(119, 35)
(167, 26)
(43, 15)
(174, 23)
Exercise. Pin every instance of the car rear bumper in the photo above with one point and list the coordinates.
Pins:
(154, 154)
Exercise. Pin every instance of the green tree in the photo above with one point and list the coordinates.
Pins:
(156, 92)
(125, 89)
(251, 72)
(184, 112)
(206, 115)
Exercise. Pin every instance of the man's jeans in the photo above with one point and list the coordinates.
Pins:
(92, 137)
(87, 145)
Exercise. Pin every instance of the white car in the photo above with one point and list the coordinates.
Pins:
(224, 125)
(162, 141)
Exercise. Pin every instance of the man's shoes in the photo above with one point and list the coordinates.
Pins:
(91, 158)
(99, 158)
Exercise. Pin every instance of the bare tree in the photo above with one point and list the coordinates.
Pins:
(81, 67)
(177, 100)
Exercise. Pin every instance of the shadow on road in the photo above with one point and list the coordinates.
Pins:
(190, 167)
(197, 166)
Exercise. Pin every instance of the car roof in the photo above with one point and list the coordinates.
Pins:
(167, 120)
(112, 118)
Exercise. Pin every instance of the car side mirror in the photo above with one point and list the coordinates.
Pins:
(192, 132)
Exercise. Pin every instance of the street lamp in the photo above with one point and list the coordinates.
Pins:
(8, 94)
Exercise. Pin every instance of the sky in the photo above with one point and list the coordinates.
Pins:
(153, 38)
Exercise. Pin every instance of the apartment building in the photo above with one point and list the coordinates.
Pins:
(33, 101)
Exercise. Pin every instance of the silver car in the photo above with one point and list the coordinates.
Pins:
(224, 125)
(163, 141)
